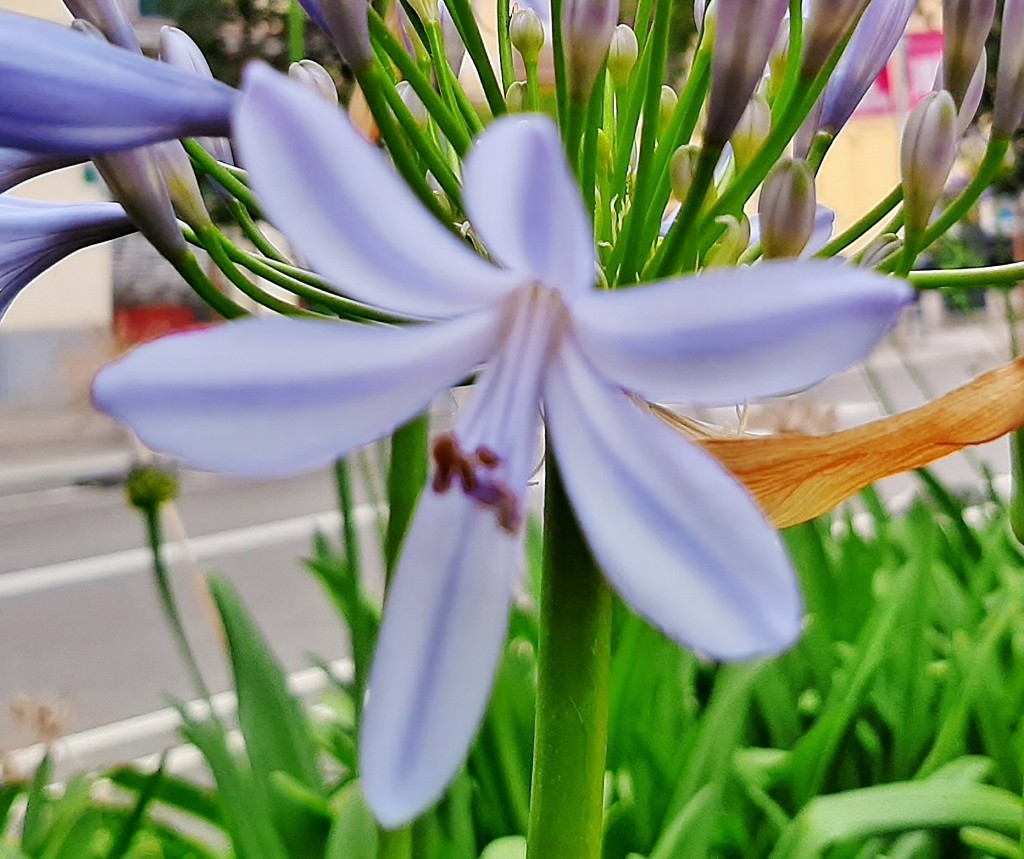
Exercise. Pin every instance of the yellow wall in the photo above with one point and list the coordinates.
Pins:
(76, 293)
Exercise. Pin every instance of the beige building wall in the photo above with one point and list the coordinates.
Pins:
(77, 292)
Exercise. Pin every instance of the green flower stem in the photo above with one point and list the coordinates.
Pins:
(192, 272)
(627, 119)
(360, 633)
(303, 284)
(968, 278)
(424, 146)
(154, 535)
(573, 661)
(407, 475)
(395, 843)
(212, 241)
(588, 162)
(573, 134)
(505, 62)
(680, 246)
(1016, 511)
(452, 126)
(371, 82)
(678, 133)
(465, 22)
(633, 223)
(296, 32)
(884, 206)
(819, 149)
(252, 231)
(532, 85)
(558, 60)
(229, 180)
(796, 41)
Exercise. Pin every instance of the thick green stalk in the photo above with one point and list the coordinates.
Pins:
(507, 68)
(573, 661)
(360, 633)
(229, 180)
(889, 202)
(190, 269)
(1016, 446)
(558, 59)
(450, 124)
(296, 32)
(407, 474)
(465, 23)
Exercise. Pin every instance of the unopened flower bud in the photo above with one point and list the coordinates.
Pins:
(1009, 98)
(727, 251)
(348, 25)
(880, 249)
(412, 101)
(927, 152)
(667, 106)
(878, 32)
(515, 97)
(454, 47)
(681, 171)
(148, 487)
(110, 17)
(315, 77)
(965, 25)
(428, 11)
(526, 33)
(786, 209)
(751, 131)
(622, 54)
(827, 25)
(744, 38)
(587, 27)
(778, 61)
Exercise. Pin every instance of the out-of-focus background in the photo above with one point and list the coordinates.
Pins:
(82, 646)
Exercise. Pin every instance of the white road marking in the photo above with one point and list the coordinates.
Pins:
(146, 735)
(131, 561)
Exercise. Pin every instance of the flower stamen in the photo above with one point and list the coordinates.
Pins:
(453, 462)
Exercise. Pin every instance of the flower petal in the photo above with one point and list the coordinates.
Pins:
(17, 166)
(37, 235)
(347, 212)
(678, 537)
(444, 627)
(72, 95)
(276, 396)
(824, 223)
(731, 335)
(524, 203)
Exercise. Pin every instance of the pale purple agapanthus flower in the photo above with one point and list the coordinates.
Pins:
(17, 165)
(683, 543)
(37, 235)
(67, 94)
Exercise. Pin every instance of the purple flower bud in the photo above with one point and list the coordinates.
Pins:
(927, 152)
(966, 25)
(879, 31)
(1009, 98)
(316, 77)
(177, 49)
(315, 13)
(38, 235)
(70, 95)
(17, 166)
(110, 18)
(587, 27)
(745, 33)
(972, 100)
(826, 26)
(786, 209)
(347, 23)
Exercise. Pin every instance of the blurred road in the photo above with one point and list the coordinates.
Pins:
(80, 627)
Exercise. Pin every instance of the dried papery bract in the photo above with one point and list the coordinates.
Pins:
(1009, 98)
(745, 32)
(965, 25)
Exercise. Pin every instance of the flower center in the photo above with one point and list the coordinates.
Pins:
(476, 475)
